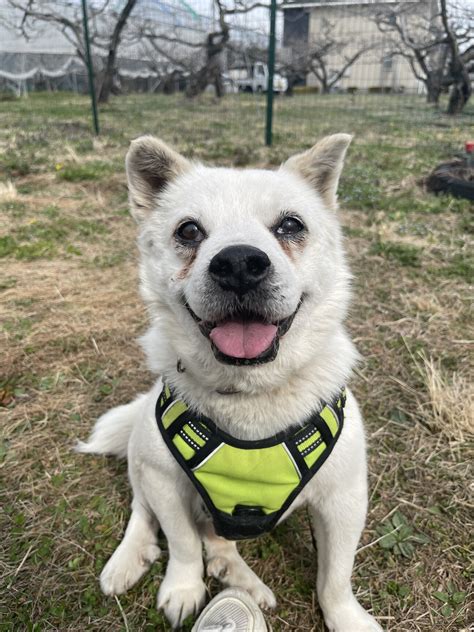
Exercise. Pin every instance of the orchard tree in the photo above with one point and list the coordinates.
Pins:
(436, 40)
(106, 29)
(328, 56)
(201, 58)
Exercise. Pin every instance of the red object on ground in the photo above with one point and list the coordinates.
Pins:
(470, 146)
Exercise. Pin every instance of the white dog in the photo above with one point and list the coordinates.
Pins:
(247, 287)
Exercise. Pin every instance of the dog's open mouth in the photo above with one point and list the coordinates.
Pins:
(245, 338)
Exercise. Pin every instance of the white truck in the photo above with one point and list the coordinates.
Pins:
(255, 79)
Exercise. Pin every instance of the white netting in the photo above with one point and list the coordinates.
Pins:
(25, 66)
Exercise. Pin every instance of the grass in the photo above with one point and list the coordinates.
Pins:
(405, 255)
(70, 314)
(94, 170)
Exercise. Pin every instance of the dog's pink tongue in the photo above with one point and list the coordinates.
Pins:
(243, 340)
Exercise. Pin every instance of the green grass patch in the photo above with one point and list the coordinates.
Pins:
(466, 223)
(451, 598)
(19, 327)
(405, 255)
(39, 239)
(7, 282)
(460, 265)
(7, 245)
(399, 536)
(12, 164)
(109, 260)
(73, 172)
(14, 208)
(38, 250)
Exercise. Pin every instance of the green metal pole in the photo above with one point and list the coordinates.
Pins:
(90, 68)
(271, 72)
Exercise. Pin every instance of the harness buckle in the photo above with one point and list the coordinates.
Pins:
(247, 511)
(246, 521)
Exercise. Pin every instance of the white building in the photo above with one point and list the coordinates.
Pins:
(351, 23)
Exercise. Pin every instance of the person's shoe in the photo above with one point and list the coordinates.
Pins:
(232, 610)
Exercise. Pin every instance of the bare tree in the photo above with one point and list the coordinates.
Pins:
(429, 37)
(328, 56)
(172, 59)
(211, 71)
(458, 75)
(417, 36)
(106, 30)
(109, 70)
(468, 58)
(201, 59)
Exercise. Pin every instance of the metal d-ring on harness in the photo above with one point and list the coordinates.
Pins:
(247, 485)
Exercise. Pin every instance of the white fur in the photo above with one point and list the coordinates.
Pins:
(112, 431)
(315, 359)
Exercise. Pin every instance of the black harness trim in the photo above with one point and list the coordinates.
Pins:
(247, 522)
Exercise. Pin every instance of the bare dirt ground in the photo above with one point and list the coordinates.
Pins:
(70, 315)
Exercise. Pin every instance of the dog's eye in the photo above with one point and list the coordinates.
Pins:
(190, 233)
(289, 226)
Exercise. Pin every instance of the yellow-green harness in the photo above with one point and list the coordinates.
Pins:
(247, 485)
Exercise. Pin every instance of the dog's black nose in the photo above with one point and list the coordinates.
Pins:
(239, 268)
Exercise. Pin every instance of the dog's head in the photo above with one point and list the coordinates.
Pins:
(240, 267)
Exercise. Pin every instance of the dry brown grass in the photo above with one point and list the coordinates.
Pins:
(8, 191)
(450, 407)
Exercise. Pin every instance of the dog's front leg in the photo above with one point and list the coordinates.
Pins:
(338, 521)
(182, 591)
(134, 555)
(225, 564)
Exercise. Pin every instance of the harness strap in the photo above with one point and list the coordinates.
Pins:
(193, 439)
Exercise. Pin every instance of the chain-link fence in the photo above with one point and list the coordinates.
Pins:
(361, 59)
(201, 73)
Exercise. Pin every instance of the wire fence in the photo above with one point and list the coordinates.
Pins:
(355, 64)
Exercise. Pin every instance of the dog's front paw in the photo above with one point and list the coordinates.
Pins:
(179, 600)
(235, 572)
(125, 568)
(350, 617)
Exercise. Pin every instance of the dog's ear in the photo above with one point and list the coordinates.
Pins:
(150, 166)
(321, 165)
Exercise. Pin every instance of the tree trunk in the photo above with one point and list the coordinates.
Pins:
(461, 83)
(211, 72)
(433, 93)
(107, 79)
(109, 70)
(219, 84)
(432, 97)
(198, 83)
(460, 93)
(291, 81)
